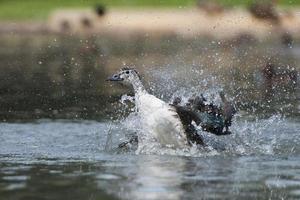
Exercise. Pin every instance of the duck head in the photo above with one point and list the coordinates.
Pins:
(126, 75)
(129, 76)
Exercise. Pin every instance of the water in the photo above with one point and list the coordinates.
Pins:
(67, 159)
(57, 77)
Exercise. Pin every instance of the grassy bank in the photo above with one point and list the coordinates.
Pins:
(38, 9)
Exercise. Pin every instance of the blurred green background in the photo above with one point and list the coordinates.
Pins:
(39, 9)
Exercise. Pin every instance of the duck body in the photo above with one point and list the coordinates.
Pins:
(160, 121)
(171, 125)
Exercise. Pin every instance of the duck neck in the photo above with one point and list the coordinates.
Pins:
(138, 86)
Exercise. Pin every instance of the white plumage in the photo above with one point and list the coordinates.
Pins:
(160, 121)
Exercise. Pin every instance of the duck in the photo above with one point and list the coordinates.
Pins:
(228, 110)
(168, 124)
(265, 11)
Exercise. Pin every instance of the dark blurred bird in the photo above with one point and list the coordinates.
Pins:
(278, 76)
(100, 10)
(287, 39)
(265, 11)
(211, 7)
(227, 110)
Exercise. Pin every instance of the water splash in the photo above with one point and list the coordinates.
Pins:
(275, 135)
(250, 134)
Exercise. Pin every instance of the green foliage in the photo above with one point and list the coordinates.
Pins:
(40, 9)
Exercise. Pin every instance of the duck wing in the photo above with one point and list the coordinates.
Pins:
(186, 115)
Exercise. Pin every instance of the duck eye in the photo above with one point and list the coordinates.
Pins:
(127, 72)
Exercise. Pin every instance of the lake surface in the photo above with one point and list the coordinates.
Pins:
(63, 77)
(70, 160)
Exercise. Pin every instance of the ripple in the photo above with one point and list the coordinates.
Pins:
(15, 186)
(108, 177)
(295, 192)
(15, 178)
(282, 183)
(55, 171)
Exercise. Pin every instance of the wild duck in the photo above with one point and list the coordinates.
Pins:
(228, 110)
(168, 124)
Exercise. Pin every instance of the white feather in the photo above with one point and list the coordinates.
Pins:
(160, 120)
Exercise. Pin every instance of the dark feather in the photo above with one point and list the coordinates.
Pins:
(186, 117)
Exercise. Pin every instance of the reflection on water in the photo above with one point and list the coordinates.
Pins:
(158, 181)
(149, 177)
(62, 159)
(42, 181)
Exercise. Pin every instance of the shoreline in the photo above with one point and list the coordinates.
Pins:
(184, 23)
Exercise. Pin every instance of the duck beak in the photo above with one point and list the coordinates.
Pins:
(115, 77)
